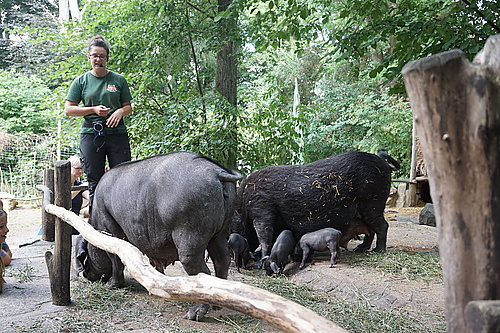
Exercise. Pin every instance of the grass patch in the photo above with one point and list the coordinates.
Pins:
(240, 323)
(412, 265)
(97, 308)
(100, 309)
(353, 314)
(23, 274)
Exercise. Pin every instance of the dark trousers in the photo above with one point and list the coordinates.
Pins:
(95, 149)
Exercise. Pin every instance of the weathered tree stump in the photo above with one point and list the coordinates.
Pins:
(456, 107)
(59, 263)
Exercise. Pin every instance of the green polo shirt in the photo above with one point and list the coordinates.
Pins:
(110, 90)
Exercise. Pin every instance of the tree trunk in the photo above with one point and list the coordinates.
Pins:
(74, 10)
(63, 10)
(456, 107)
(276, 310)
(412, 187)
(226, 80)
(59, 263)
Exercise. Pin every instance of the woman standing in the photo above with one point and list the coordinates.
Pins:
(106, 100)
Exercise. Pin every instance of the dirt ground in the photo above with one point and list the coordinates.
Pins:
(30, 301)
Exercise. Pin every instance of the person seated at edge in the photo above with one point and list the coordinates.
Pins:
(77, 196)
(106, 101)
(5, 252)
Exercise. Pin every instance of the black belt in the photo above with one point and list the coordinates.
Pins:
(105, 129)
(90, 123)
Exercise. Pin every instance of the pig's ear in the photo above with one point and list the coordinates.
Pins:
(81, 254)
(275, 268)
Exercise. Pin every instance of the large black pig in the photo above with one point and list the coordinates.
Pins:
(171, 207)
(330, 192)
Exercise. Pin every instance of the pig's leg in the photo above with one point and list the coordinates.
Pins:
(367, 243)
(333, 253)
(191, 255)
(107, 224)
(117, 279)
(221, 258)
(373, 216)
(381, 232)
(235, 258)
(305, 255)
(81, 253)
(263, 222)
(219, 252)
(238, 261)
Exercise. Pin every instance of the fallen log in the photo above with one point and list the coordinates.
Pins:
(283, 314)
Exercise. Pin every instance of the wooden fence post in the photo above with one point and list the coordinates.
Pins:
(483, 316)
(48, 220)
(456, 107)
(59, 264)
(412, 186)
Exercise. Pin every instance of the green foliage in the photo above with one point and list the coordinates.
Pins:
(336, 113)
(356, 116)
(276, 23)
(21, 103)
(376, 37)
(386, 35)
(270, 131)
(345, 56)
(181, 128)
(168, 56)
(22, 18)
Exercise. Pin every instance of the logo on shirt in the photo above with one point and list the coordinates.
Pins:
(111, 87)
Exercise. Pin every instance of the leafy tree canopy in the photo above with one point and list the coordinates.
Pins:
(168, 55)
(339, 53)
(377, 36)
(21, 20)
(22, 106)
